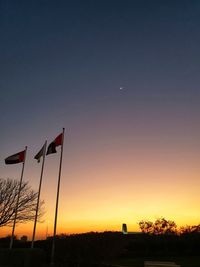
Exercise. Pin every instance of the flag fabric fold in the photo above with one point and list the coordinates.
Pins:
(57, 142)
(16, 158)
(40, 153)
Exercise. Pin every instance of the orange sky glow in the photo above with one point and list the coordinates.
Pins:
(116, 185)
(122, 78)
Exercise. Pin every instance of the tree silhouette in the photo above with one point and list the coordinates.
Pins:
(160, 226)
(9, 189)
(146, 227)
(190, 229)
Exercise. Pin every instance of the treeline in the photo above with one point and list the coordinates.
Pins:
(93, 248)
(168, 227)
(161, 238)
(96, 248)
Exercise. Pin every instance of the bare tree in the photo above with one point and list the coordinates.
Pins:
(9, 189)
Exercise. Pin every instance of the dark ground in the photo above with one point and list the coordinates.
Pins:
(104, 249)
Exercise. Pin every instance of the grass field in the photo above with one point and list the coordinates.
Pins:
(139, 262)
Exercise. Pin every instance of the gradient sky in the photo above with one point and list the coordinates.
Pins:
(129, 154)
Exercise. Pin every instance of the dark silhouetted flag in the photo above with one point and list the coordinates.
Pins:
(57, 142)
(40, 153)
(16, 158)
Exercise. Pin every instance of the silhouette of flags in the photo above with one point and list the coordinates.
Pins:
(38, 156)
(57, 142)
(16, 158)
(41, 153)
(21, 157)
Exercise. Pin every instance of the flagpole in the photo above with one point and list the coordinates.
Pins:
(38, 199)
(57, 199)
(16, 209)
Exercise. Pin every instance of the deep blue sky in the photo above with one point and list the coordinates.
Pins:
(61, 59)
(60, 55)
(62, 64)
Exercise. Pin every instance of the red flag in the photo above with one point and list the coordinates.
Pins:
(57, 142)
(16, 158)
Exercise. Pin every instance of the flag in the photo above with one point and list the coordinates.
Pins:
(40, 153)
(57, 142)
(16, 158)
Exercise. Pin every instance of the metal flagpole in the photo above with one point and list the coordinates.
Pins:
(57, 198)
(16, 209)
(38, 199)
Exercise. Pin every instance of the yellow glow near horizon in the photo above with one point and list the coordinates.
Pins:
(105, 189)
(129, 154)
(106, 206)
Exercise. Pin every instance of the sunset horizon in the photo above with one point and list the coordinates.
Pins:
(123, 79)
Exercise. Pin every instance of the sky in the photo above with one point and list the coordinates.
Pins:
(129, 153)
